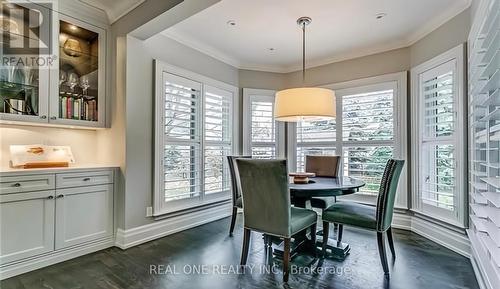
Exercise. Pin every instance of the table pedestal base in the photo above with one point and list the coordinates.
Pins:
(332, 250)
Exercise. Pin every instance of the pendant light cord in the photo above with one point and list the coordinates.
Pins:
(303, 53)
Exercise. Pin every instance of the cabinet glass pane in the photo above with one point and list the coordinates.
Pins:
(78, 72)
(19, 75)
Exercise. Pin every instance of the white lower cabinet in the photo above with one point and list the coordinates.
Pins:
(83, 214)
(26, 225)
(43, 222)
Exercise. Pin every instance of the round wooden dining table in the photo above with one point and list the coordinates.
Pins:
(325, 187)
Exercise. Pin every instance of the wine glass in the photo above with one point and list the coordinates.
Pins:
(63, 77)
(72, 80)
(84, 83)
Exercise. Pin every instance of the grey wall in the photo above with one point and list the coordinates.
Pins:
(139, 112)
(381, 63)
(448, 35)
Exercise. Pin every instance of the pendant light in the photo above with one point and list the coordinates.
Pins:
(304, 103)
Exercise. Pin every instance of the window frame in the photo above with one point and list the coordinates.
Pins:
(160, 206)
(250, 95)
(459, 138)
(396, 81)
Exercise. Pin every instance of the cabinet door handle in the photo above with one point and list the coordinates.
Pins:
(86, 179)
(43, 116)
(17, 185)
(50, 197)
(60, 196)
(53, 117)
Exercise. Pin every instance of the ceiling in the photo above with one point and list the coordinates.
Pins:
(266, 37)
(114, 8)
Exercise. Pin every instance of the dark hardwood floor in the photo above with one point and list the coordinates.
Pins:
(420, 263)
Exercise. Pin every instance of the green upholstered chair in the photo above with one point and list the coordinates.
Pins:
(266, 199)
(235, 189)
(377, 218)
(323, 166)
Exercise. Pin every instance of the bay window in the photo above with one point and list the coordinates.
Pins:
(194, 132)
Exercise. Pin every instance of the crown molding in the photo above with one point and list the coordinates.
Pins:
(420, 33)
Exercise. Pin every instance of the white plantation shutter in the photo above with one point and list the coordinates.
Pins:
(263, 129)
(484, 140)
(437, 159)
(439, 138)
(262, 135)
(368, 116)
(182, 142)
(368, 137)
(194, 132)
(218, 138)
(315, 138)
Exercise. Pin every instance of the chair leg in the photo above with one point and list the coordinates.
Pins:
(246, 244)
(286, 259)
(313, 238)
(391, 242)
(339, 235)
(233, 220)
(381, 251)
(326, 231)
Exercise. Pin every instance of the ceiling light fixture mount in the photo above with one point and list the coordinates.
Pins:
(231, 23)
(309, 103)
(380, 15)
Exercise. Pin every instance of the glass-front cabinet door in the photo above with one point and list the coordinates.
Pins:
(78, 96)
(26, 55)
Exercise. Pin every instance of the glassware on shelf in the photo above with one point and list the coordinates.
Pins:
(63, 77)
(84, 84)
(73, 81)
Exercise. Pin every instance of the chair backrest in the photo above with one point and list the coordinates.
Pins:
(266, 198)
(235, 184)
(387, 193)
(323, 166)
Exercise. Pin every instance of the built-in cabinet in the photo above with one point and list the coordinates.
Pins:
(43, 214)
(484, 141)
(68, 87)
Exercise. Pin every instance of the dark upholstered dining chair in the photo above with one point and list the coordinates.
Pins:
(323, 166)
(235, 189)
(377, 218)
(267, 208)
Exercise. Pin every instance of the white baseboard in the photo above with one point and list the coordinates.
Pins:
(138, 235)
(440, 234)
(30, 264)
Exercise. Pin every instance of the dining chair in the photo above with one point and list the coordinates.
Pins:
(266, 199)
(372, 218)
(235, 189)
(323, 166)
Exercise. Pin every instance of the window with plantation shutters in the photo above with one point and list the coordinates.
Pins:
(439, 138)
(262, 134)
(315, 138)
(218, 139)
(194, 133)
(182, 155)
(368, 133)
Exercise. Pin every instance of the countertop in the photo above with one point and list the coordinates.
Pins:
(71, 168)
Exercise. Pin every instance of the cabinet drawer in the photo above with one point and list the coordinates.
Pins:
(84, 179)
(21, 184)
